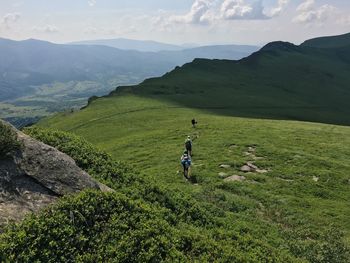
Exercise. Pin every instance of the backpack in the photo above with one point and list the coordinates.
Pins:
(186, 161)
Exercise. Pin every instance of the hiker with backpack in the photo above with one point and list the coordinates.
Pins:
(186, 163)
(188, 145)
(194, 122)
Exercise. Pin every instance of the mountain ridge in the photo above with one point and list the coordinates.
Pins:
(328, 41)
(83, 62)
(130, 44)
(281, 80)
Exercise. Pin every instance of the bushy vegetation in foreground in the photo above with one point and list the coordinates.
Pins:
(140, 223)
(8, 140)
(144, 221)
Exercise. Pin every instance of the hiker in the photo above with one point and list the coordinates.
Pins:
(188, 145)
(186, 163)
(194, 123)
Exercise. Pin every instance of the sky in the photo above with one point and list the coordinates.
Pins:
(174, 21)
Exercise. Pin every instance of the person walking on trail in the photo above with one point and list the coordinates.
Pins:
(186, 163)
(188, 145)
(194, 122)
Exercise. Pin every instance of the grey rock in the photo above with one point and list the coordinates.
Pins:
(225, 166)
(251, 149)
(262, 171)
(246, 169)
(35, 176)
(223, 175)
(252, 166)
(234, 178)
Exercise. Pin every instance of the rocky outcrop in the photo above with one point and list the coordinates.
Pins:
(35, 176)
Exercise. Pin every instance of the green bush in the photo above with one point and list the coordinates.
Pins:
(110, 227)
(92, 227)
(97, 163)
(8, 140)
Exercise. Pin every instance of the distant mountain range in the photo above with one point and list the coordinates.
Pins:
(310, 82)
(128, 44)
(39, 77)
(29, 63)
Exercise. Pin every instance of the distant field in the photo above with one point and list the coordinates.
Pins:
(56, 97)
(305, 189)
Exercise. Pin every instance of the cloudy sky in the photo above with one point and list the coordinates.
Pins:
(174, 21)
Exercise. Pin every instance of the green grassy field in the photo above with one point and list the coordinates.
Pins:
(306, 188)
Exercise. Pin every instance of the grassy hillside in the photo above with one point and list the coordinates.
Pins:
(297, 203)
(281, 81)
(292, 207)
(329, 42)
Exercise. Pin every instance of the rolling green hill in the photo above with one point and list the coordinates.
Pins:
(281, 81)
(329, 42)
(292, 207)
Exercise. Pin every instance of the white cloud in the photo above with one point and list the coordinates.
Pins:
(306, 6)
(240, 9)
(281, 4)
(208, 11)
(310, 13)
(92, 2)
(199, 13)
(49, 29)
(10, 19)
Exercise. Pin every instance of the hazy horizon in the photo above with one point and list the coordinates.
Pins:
(201, 22)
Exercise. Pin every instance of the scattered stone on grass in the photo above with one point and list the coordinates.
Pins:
(225, 166)
(249, 167)
(262, 171)
(252, 149)
(315, 178)
(234, 178)
(246, 169)
(251, 152)
(223, 175)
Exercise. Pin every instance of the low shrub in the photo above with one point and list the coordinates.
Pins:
(8, 140)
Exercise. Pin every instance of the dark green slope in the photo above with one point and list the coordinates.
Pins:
(280, 81)
(329, 42)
